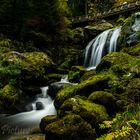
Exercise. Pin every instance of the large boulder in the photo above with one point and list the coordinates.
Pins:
(47, 120)
(104, 98)
(70, 127)
(91, 112)
(30, 68)
(22, 74)
(119, 62)
(10, 96)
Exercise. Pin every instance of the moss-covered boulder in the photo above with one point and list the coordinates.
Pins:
(85, 88)
(10, 96)
(133, 50)
(118, 62)
(30, 67)
(87, 75)
(71, 127)
(75, 73)
(47, 120)
(91, 112)
(104, 98)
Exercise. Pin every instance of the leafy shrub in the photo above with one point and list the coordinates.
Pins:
(123, 126)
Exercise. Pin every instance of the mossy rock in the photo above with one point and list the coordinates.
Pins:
(75, 73)
(47, 120)
(10, 96)
(91, 112)
(133, 50)
(87, 75)
(104, 98)
(85, 88)
(70, 127)
(133, 90)
(32, 66)
(118, 62)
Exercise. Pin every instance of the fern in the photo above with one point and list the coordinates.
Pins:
(124, 132)
(106, 124)
(134, 121)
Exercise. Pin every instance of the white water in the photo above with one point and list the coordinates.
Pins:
(27, 121)
(64, 79)
(95, 49)
(136, 25)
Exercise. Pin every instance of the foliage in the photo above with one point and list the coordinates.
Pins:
(46, 17)
(123, 126)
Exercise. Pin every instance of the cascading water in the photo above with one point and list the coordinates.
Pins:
(136, 25)
(96, 47)
(26, 122)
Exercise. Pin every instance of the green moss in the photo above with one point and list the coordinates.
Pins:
(104, 98)
(74, 76)
(87, 75)
(118, 62)
(63, 94)
(75, 73)
(70, 127)
(47, 120)
(85, 109)
(84, 88)
(10, 94)
(133, 50)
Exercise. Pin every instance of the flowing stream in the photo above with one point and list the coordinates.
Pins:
(27, 122)
(104, 43)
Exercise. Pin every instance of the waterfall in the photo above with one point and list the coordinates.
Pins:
(96, 47)
(26, 122)
(136, 25)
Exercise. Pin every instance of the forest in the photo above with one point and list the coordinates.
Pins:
(69, 69)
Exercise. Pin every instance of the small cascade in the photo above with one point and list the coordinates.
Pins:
(64, 79)
(104, 43)
(136, 25)
(33, 106)
(44, 91)
(42, 106)
(113, 40)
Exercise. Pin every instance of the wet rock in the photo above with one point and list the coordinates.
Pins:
(47, 120)
(91, 112)
(71, 127)
(104, 98)
(55, 87)
(39, 106)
